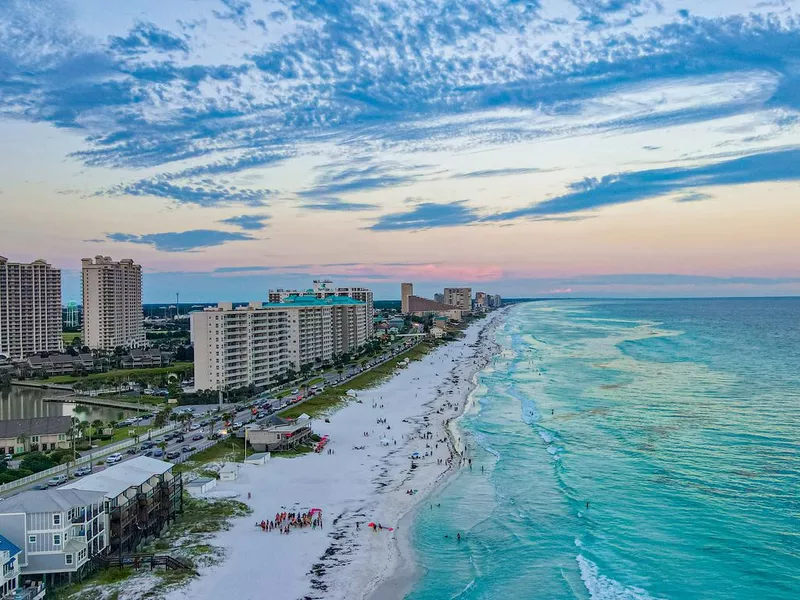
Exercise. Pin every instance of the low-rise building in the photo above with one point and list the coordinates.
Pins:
(60, 364)
(58, 531)
(143, 359)
(38, 433)
(279, 437)
(143, 496)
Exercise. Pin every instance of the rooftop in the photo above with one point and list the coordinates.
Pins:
(34, 426)
(8, 546)
(48, 501)
(115, 480)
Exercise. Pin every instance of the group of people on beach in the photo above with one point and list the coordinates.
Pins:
(286, 521)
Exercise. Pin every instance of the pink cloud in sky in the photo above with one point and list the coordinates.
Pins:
(561, 291)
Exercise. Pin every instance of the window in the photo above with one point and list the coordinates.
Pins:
(68, 558)
(34, 439)
(62, 437)
(56, 539)
(57, 519)
(31, 539)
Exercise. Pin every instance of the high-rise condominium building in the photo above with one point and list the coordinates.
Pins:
(324, 288)
(460, 297)
(481, 300)
(234, 347)
(30, 308)
(406, 291)
(112, 303)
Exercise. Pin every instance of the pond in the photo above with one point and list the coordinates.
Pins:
(26, 403)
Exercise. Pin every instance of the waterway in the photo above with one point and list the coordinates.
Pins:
(26, 403)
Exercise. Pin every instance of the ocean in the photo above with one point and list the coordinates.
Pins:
(627, 450)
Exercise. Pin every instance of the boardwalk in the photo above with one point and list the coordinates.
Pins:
(100, 401)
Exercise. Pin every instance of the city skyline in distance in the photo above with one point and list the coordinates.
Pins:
(555, 148)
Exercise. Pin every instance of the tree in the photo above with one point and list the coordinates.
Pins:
(35, 462)
(162, 417)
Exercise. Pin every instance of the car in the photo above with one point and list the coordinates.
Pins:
(187, 449)
(131, 451)
(147, 445)
(197, 437)
(83, 471)
(114, 458)
(168, 437)
(194, 427)
(148, 453)
(158, 452)
(215, 436)
(205, 423)
(179, 438)
(40, 486)
(57, 480)
(261, 414)
(237, 425)
(173, 455)
(295, 392)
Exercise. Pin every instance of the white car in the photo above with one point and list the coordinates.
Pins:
(113, 459)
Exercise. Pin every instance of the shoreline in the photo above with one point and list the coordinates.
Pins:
(389, 450)
(400, 578)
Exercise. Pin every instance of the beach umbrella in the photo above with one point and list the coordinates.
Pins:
(371, 525)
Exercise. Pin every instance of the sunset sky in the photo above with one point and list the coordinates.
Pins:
(547, 148)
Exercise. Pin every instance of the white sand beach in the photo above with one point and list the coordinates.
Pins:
(343, 560)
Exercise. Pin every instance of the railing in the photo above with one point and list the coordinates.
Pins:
(93, 456)
(137, 561)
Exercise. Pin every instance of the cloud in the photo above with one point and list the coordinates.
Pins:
(248, 222)
(496, 173)
(343, 177)
(427, 215)
(146, 36)
(181, 241)
(621, 188)
(337, 204)
(693, 197)
(235, 11)
(204, 192)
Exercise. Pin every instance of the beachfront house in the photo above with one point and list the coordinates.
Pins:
(143, 496)
(9, 555)
(39, 433)
(57, 531)
(276, 438)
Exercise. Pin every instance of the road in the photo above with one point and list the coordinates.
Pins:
(207, 419)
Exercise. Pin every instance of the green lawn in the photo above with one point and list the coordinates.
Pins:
(69, 336)
(123, 374)
(224, 450)
(332, 397)
(121, 434)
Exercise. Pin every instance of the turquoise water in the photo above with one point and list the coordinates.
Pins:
(677, 421)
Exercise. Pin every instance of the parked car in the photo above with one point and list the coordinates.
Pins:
(148, 453)
(57, 480)
(197, 437)
(83, 471)
(147, 445)
(194, 427)
(158, 453)
(179, 438)
(168, 437)
(187, 449)
(40, 486)
(114, 458)
(237, 424)
(131, 451)
(173, 455)
(8, 457)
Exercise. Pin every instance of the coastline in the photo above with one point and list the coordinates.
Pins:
(399, 579)
(366, 477)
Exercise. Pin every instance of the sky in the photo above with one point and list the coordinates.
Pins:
(547, 148)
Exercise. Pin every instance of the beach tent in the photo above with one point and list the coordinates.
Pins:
(352, 393)
(415, 455)
(303, 416)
